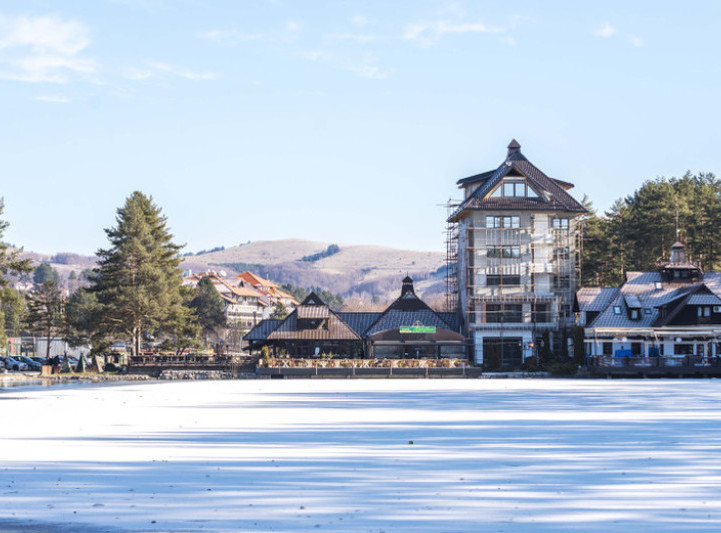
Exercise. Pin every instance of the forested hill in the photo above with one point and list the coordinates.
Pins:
(639, 230)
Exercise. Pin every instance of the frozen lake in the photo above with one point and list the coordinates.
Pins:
(364, 456)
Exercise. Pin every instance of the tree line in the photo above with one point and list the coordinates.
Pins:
(637, 231)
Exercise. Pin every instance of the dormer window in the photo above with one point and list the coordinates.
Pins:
(616, 309)
(703, 311)
(634, 314)
(511, 188)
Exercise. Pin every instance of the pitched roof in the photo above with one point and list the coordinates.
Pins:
(360, 321)
(336, 329)
(262, 329)
(552, 197)
(648, 291)
(407, 310)
(595, 298)
(254, 280)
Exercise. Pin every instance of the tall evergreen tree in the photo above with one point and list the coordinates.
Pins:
(82, 314)
(46, 314)
(44, 272)
(10, 263)
(137, 281)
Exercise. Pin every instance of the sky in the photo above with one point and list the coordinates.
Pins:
(338, 121)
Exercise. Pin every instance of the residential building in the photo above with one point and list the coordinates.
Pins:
(272, 291)
(244, 306)
(513, 260)
(673, 312)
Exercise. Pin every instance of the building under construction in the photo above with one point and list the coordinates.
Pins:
(513, 260)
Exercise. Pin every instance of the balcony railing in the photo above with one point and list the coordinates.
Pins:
(683, 361)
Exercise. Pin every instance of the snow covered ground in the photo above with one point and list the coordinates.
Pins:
(363, 456)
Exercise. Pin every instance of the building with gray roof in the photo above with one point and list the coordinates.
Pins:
(672, 312)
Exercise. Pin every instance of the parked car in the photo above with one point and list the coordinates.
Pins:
(13, 364)
(40, 360)
(32, 365)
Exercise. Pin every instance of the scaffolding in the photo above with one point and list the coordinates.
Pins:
(451, 258)
(539, 266)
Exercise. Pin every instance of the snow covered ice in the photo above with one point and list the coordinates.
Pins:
(363, 456)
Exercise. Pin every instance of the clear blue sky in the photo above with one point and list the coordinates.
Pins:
(337, 121)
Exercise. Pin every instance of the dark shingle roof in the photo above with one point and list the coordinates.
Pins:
(261, 330)
(553, 192)
(647, 290)
(595, 298)
(359, 322)
(395, 318)
(451, 319)
(337, 330)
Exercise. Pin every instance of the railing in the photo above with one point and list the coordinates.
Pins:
(190, 360)
(686, 361)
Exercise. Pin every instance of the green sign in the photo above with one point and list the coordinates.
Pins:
(417, 329)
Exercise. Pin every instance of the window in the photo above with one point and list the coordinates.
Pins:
(495, 280)
(503, 222)
(717, 308)
(561, 254)
(703, 311)
(616, 309)
(562, 281)
(511, 222)
(658, 285)
(506, 252)
(647, 311)
(607, 348)
(504, 313)
(560, 223)
(514, 188)
(634, 315)
(541, 313)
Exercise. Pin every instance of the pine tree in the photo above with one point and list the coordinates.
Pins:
(137, 281)
(280, 311)
(82, 313)
(46, 314)
(209, 308)
(10, 302)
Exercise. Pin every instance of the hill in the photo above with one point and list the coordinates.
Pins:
(362, 272)
(355, 271)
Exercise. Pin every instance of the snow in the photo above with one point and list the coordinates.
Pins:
(363, 456)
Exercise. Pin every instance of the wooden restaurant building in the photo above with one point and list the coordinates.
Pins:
(408, 328)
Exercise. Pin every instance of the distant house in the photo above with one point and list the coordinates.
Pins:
(407, 328)
(672, 312)
(244, 306)
(271, 290)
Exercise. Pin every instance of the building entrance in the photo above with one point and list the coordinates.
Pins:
(502, 352)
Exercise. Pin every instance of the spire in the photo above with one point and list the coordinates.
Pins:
(514, 152)
(407, 286)
(678, 252)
